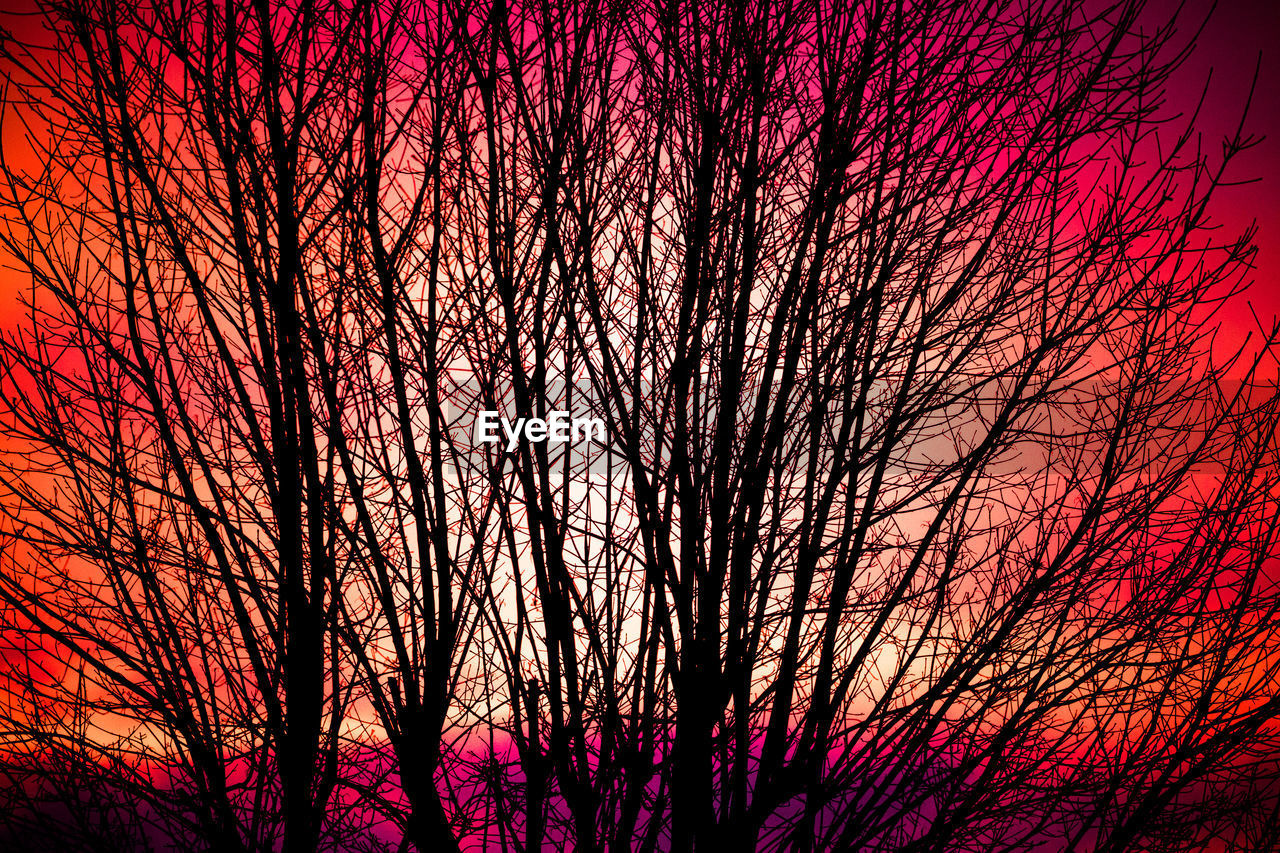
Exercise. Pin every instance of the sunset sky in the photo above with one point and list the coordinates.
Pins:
(876, 460)
(1239, 36)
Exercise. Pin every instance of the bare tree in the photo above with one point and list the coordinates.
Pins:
(928, 519)
(927, 516)
(182, 508)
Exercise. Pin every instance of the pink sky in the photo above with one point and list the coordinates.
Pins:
(1239, 34)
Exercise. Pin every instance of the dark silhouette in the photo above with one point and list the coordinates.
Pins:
(927, 514)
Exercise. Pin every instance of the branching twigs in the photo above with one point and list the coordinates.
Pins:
(925, 519)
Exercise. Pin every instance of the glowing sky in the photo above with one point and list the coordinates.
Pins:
(1239, 35)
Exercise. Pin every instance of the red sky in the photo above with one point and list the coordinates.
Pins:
(1238, 35)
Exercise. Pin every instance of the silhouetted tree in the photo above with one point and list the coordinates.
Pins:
(927, 517)
(205, 526)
